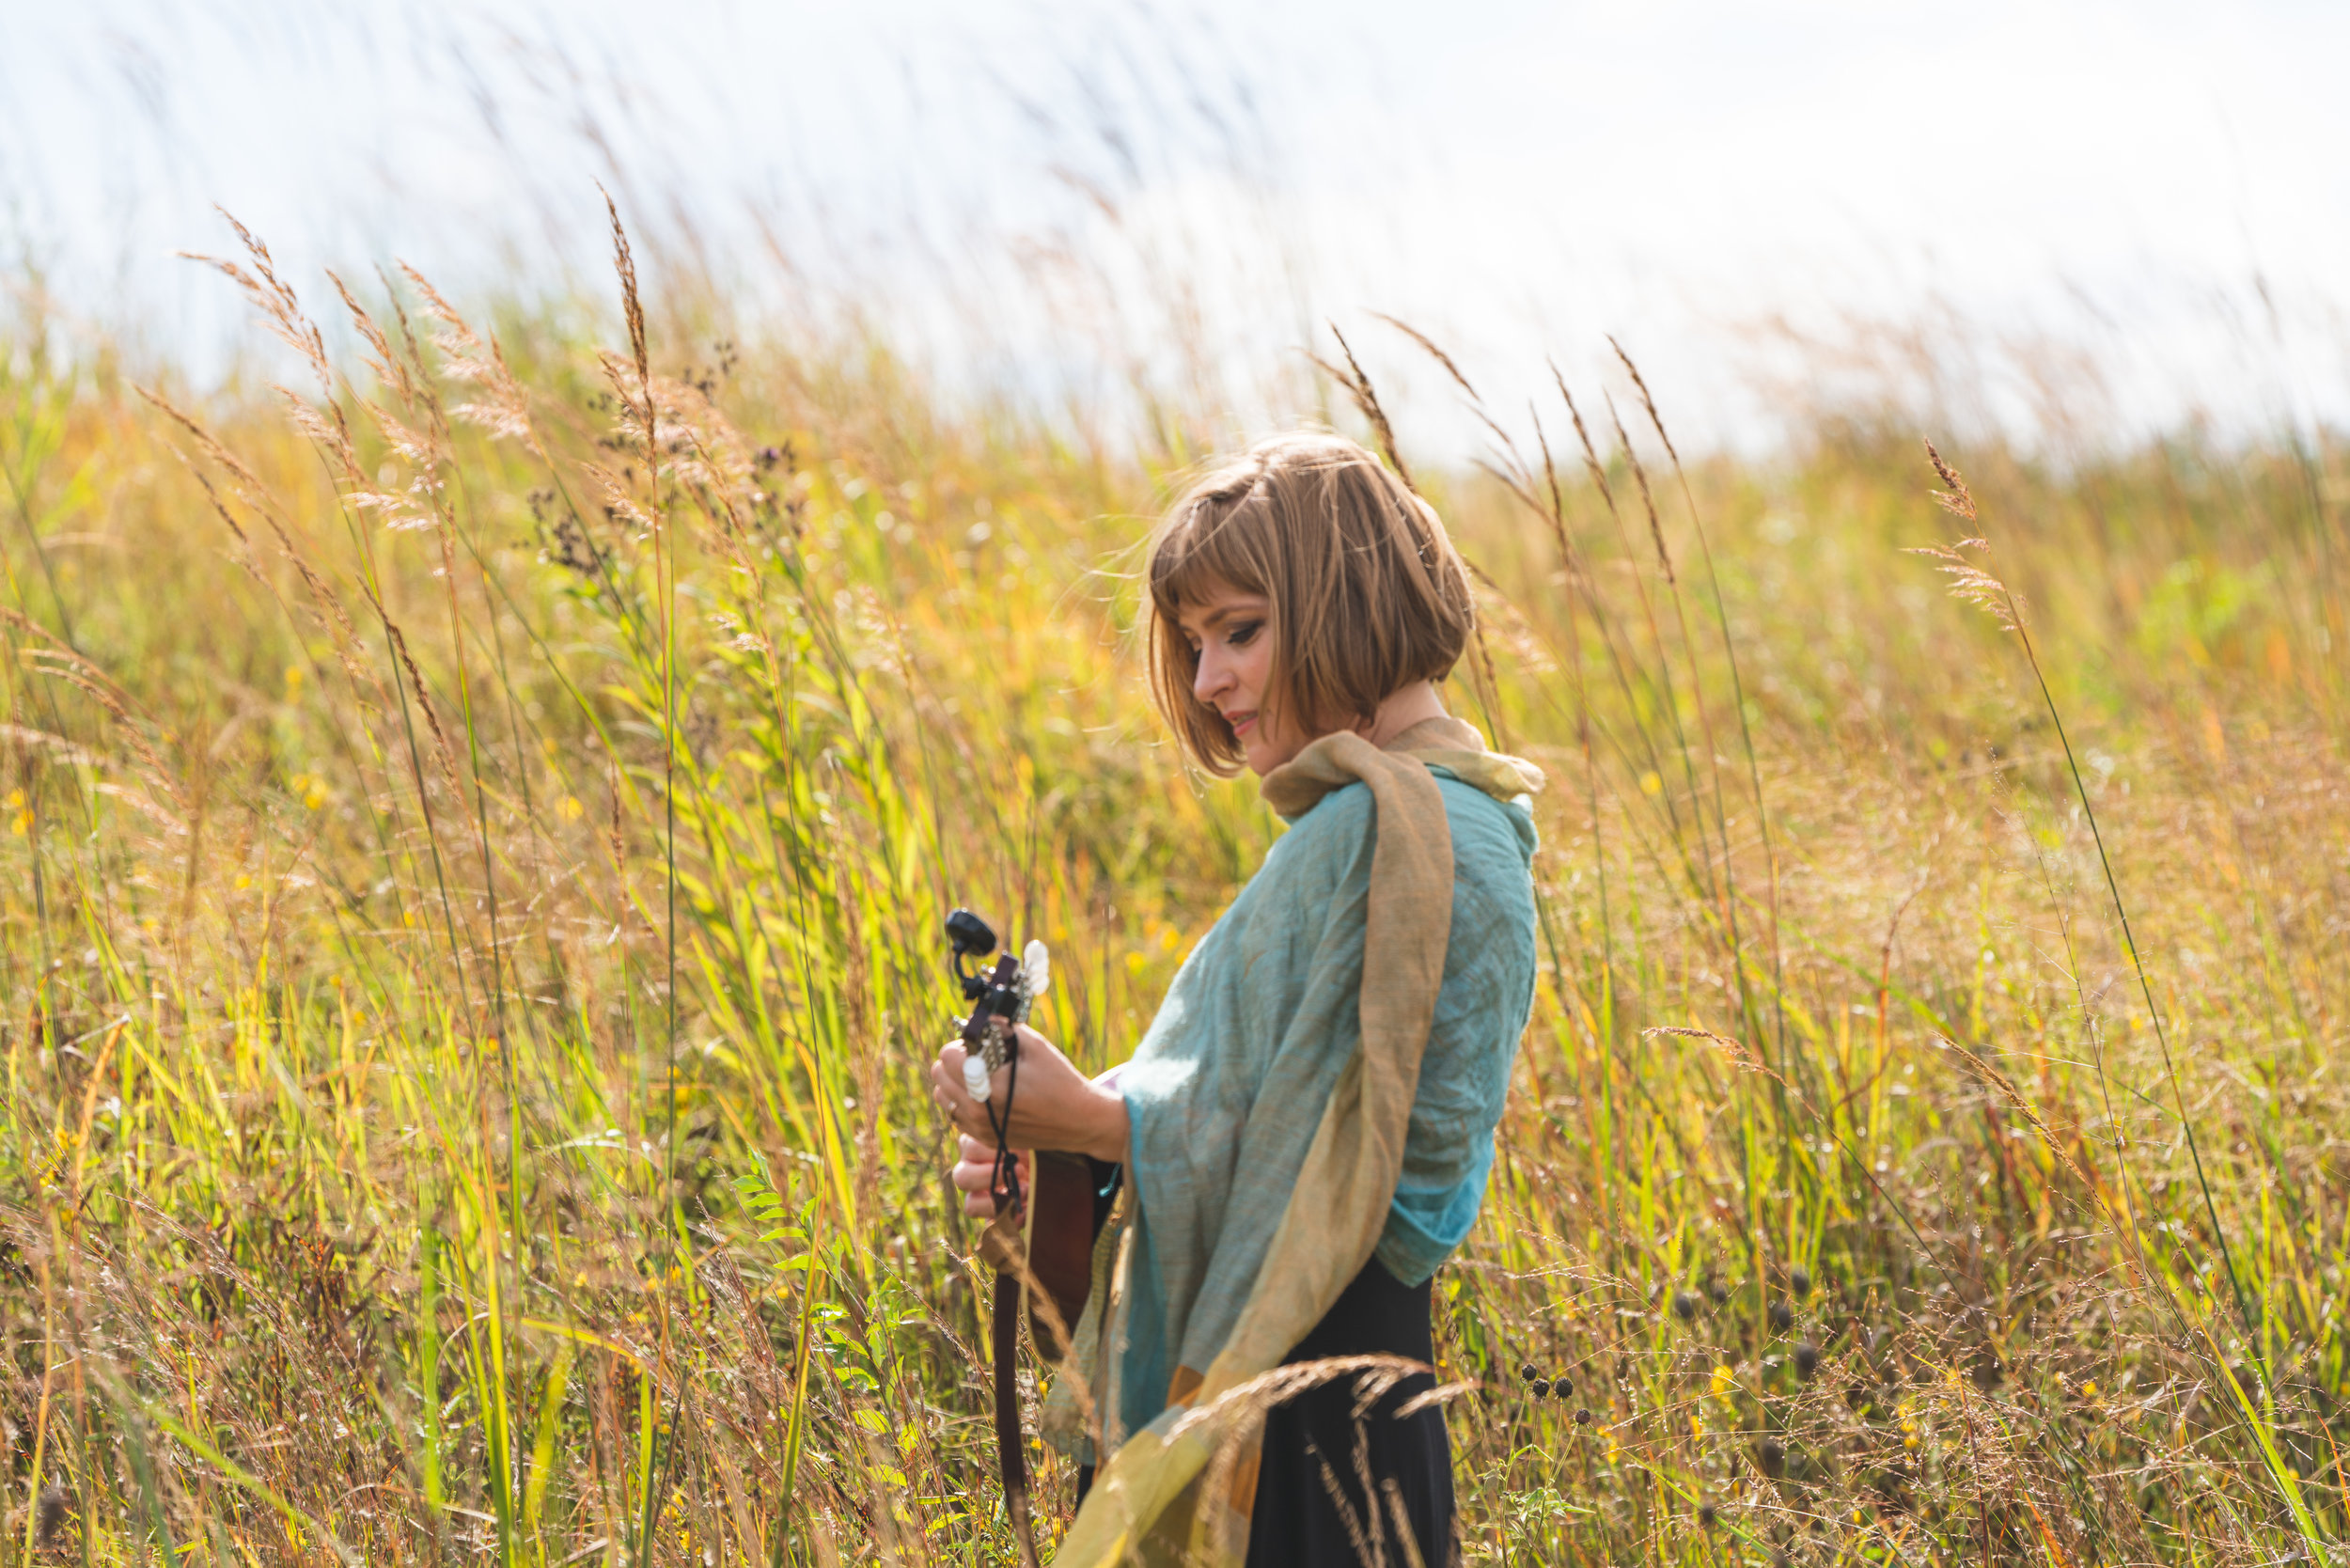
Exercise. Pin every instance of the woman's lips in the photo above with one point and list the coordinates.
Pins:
(1240, 723)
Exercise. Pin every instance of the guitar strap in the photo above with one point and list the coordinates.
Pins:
(1010, 1452)
(1068, 1198)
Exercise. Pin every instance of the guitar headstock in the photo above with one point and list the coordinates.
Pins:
(1001, 995)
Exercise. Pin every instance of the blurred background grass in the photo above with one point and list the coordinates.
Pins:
(469, 921)
(471, 947)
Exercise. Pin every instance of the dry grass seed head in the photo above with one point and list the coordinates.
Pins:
(632, 304)
(1366, 400)
(1592, 465)
(504, 408)
(388, 368)
(1429, 345)
(1648, 501)
(1740, 1057)
(273, 298)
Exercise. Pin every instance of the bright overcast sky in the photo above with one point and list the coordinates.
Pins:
(2157, 190)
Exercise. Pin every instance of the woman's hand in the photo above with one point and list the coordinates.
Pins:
(1056, 1107)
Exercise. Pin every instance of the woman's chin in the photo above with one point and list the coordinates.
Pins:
(1261, 758)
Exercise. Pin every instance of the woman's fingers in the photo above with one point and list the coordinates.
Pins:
(947, 1090)
(977, 1173)
(947, 1076)
(973, 1182)
(974, 1176)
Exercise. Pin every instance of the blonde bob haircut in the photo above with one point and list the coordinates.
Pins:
(1368, 594)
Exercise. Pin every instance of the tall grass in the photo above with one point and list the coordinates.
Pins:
(479, 827)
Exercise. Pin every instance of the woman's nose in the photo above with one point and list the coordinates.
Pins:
(1211, 677)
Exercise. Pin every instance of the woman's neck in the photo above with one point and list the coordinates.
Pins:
(1413, 704)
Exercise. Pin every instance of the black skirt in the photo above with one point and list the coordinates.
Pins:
(1312, 1508)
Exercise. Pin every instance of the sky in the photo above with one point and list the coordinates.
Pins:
(2074, 219)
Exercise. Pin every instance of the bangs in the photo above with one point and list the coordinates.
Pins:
(1202, 551)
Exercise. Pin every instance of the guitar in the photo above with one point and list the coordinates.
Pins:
(1062, 1210)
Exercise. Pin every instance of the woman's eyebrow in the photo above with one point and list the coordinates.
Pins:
(1217, 616)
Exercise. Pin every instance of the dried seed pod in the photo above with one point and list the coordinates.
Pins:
(1799, 1281)
(50, 1511)
(1685, 1306)
(1525, 1372)
(1782, 1317)
(1583, 1414)
(1541, 1388)
(1806, 1359)
(1770, 1455)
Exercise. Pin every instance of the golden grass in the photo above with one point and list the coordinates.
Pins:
(469, 939)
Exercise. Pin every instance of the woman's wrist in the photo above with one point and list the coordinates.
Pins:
(1111, 1127)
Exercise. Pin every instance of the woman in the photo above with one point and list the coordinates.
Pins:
(1307, 1128)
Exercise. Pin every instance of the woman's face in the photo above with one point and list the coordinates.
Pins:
(1232, 632)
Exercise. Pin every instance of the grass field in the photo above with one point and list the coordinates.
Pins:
(479, 829)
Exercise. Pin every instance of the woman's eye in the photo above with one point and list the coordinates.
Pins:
(1246, 632)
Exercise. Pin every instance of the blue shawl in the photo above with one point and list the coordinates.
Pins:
(1228, 1086)
(1320, 1088)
